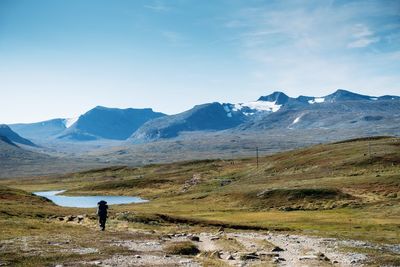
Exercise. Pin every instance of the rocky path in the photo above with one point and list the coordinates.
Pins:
(222, 248)
(241, 249)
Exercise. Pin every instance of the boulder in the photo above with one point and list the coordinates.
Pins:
(277, 249)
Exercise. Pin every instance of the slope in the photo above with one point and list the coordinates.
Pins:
(108, 123)
(13, 136)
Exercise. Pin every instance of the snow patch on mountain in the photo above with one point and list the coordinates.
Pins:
(317, 100)
(68, 122)
(258, 106)
(296, 120)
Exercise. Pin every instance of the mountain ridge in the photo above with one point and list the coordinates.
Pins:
(145, 125)
(13, 137)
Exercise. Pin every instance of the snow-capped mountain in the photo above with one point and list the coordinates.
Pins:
(97, 123)
(212, 116)
(276, 110)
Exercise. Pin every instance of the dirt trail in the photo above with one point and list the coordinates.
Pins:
(229, 248)
(242, 249)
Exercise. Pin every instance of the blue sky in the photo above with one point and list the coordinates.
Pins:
(59, 58)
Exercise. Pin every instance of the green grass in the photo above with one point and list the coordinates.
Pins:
(336, 190)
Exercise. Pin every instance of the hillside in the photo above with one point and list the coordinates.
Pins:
(40, 130)
(16, 161)
(337, 116)
(348, 191)
(13, 136)
(340, 112)
(108, 123)
(212, 116)
(341, 172)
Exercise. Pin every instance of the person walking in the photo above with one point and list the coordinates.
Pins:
(102, 208)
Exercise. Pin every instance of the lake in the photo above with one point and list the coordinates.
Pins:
(86, 201)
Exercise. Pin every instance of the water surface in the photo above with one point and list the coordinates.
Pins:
(86, 201)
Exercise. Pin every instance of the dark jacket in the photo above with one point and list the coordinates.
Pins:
(102, 208)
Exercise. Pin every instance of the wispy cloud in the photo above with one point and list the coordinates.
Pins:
(362, 37)
(301, 45)
(158, 6)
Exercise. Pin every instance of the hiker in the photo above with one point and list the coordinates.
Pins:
(102, 213)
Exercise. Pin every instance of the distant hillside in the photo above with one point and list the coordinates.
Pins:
(6, 141)
(108, 123)
(40, 130)
(337, 116)
(343, 112)
(340, 111)
(13, 136)
(212, 116)
(10, 153)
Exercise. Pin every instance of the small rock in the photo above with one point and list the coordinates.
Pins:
(250, 256)
(137, 256)
(225, 182)
(270, 255)
(194, 238)
(215, 255)
(335, 261)
(230, 257)
(278, 260)
(277, 249)
(70, 218)
(322, 256)
(214, 238)
(308, 257)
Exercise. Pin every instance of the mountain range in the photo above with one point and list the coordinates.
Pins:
(111, 136)
(276, 111)
(98, 123)
(341, 109)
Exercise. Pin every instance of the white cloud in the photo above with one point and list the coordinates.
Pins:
(301, 47)
(362, 37)
(362, 42)
(158, 6)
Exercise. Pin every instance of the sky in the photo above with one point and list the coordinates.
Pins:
(60, 58)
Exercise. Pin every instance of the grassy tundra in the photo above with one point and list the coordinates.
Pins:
(349, 190)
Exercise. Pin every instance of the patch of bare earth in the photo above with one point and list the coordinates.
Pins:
(240, 249)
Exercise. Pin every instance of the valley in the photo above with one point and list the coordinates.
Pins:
(168, 133)
(323, 205)
(105, 136)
